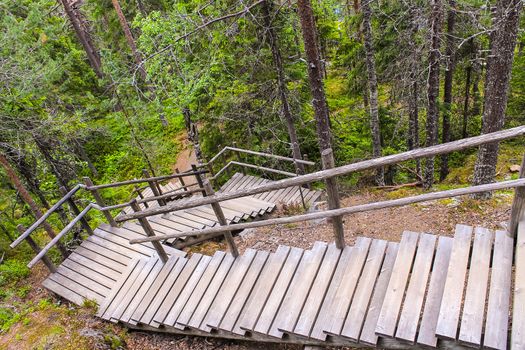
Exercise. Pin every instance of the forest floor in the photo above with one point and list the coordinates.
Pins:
(43, 322)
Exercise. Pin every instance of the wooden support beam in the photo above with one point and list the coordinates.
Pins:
(154, 188)
(518, 207)
(150, 233)
(49, 264)
(222, 220)
(139, 193)
(76, 211)
(199, 180)
(327, 158)
(181, 180)
(99, 200)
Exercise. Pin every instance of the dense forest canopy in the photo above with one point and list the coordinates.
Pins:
(100, 88)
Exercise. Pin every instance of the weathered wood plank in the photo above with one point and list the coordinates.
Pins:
(90, 255)
(345, 292)
(475, 296)
(228, 290)
(411, 311)
(64, 292)
(363, 294)
(199, 291)
(386, 324)
(245, 290)
(279, 290)
(300, 286)
(262, 290)
(323, 318)
(109, 276)
(449, 311)
(497, 322)
(181, 301)
(427, 328)
(368, 334)
(305, 321)
(518, 314)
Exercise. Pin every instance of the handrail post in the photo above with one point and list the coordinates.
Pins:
(154, 187)
(100, 201)
(518, 207)
(139, 193)
(307, 170)
(149, 232)
(45, 259)
(76, 211)
(198, 178)
(327, 158)
(181, 180)
(222, 220)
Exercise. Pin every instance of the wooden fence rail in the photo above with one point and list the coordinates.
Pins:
(519, 183)
(338, 171)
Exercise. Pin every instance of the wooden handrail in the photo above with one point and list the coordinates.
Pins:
(55, 240)
(342, 170)
(262, 154)
(342, 211)
(46, 215)
(136, 181)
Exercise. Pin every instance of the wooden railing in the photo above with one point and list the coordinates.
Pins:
(516, 214)
(80, 215)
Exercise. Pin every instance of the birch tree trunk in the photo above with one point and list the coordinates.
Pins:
(281, 84)
(450, 51)
(375, 125)
(499, 67)
(436, 20)
(315, 74)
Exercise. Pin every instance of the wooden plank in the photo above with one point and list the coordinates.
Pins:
(90, 255)
(177, 288)
(497, 323)
(153, 290)
(205, 303)
(386, 324)
(227, 184)
(76, 287)
(279, 290)
(93, 275)
(263, 287)
(448, 320)
(518, 315)
(123, 304)
(345, 293)
(141, 293)
(239, 184)
(368, 334)
(300, 287)
(228, 290)
(181, 217)
(245, 290)
(411, 311)
(363, 294)
(427, 328)
(476, 294)
(103, 251)
(200, 290)
(236, 178)
(85, 281)
(105, 271)
(114, 248)
(138, 248)
(181, 301)
(62, 291)
(305, 320)
(162, 293)
(124, 289)
(314, 328)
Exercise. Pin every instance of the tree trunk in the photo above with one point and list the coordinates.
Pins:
(26, 197)
(375, 125)
(450, 51)
(193, 134)
(319, 102)
(464, 132)
(413, 103)
(281, 84)
(436, 19)
(503, 43)
(84, 38)
(85, 157)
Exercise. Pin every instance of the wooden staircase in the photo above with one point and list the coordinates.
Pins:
(425, 290)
